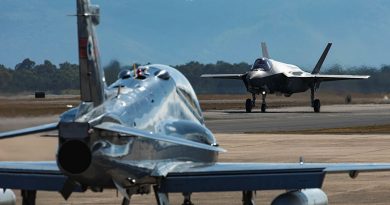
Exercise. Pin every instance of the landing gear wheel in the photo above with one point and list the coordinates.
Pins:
(187, 202)
(187, 199)
(317, 105)
(248, 105)
(263, 107)
(29, 197)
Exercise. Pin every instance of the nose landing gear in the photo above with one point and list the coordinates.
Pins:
(263, 104)
(248, 105)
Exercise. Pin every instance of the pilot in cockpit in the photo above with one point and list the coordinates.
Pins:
(262, 64)
(141, 73)
(136, 73)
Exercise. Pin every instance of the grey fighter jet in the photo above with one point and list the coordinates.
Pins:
(146, 133)
(268, 76)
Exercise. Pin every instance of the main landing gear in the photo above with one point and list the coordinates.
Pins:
(248, 198)
(28, 197)
(249, 104)
(315, 103)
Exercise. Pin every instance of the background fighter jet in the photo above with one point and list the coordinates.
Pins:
(268, 76)
(147, 130)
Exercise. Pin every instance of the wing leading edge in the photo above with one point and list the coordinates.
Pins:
(321, 77)
(223, 76)
(339, 77)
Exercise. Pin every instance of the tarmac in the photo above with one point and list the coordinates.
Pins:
(297, 118)
(368, 188)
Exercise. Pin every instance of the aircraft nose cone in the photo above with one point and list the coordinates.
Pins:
(256, 75)
(255, 78)
(251, 76)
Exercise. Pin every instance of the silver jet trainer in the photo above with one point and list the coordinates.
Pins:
(146, 132)
(268, 76)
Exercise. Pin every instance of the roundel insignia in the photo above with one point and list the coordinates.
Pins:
(90, 49)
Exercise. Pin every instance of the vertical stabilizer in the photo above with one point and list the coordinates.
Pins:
(264, 50)
(92, 81)
(318, 66)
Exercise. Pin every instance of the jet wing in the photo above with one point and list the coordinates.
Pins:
(258, 176)
(223, 76)
(321, 77)
(339, 77)
(46, 176)
(43, 175)
(31, 130)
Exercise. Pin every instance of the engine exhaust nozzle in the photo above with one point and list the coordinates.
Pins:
(74, 157)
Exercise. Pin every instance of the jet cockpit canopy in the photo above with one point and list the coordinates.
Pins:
(262, 64)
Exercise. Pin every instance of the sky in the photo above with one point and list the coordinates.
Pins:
(175, 32)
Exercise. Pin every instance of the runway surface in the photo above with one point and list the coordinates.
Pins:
(368, 188)
(297, 118)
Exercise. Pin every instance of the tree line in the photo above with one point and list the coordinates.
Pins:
(28, 76)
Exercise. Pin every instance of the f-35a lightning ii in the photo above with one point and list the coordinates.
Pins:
(268, 76)
(146, 132)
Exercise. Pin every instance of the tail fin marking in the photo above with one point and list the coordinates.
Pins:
(92, 81)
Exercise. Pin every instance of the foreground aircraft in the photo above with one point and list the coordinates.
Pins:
(268, 76)
(146, 133)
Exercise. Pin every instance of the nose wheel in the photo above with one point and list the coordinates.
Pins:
(263, 104)
(248, 105)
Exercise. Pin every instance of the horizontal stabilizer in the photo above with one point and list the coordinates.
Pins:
(27, 131)
(223, 76)
(113, 127)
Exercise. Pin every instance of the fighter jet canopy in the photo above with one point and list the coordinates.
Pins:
(262, 64)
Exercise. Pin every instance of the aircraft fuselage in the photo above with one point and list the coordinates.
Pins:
(273, 79)
(162, 102)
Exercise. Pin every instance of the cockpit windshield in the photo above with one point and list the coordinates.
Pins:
(262, 64)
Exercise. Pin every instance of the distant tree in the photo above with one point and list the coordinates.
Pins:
(335, 69)
(111, 71)
(5, 77)
(28, 76)
(25, 64)
(67, 77)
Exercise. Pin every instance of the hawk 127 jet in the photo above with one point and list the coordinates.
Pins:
(268, 76)
(145, 133)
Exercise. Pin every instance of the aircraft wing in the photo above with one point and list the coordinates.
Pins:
(223, 76)
(321, 77)
(43, 175)
(339, 77)
(258, 176)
